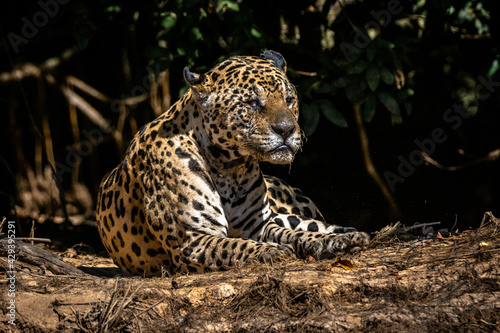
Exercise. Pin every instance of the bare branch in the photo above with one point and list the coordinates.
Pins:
(32, 239)
(336, 9)
(87, 88)
(421, 225)
(92, 114)
(18, 74)
(30, 69)
(491, 156)
(34, 255)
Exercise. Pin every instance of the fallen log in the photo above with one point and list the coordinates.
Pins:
(36, 256)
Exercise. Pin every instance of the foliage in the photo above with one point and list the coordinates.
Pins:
(370, 65)
(364, 54)
(193, 29)
(376, 71)
(402, 62)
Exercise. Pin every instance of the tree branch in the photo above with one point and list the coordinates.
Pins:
(491, 156)
(370, 168)
(34, 255)
(87, 109)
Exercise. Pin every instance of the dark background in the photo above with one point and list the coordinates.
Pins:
(439, 49)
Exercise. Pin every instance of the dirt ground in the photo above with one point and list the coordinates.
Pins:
(404, 283)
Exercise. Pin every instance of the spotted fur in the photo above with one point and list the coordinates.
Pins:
(189, 195)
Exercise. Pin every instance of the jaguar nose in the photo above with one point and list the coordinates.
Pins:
(283, 129)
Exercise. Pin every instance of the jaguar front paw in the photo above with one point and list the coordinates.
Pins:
(273, 253)
(359, 241)
(329, 246)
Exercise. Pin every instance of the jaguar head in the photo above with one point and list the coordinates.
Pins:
(249, 107)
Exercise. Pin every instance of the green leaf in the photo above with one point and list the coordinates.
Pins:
(369, 109)
(479, 25)
(391, 104)
(358, 67)
(203, 14)
(418, 5)
(222, 5)
(372, 77)
(396, 119)
(197, 33)
(371, 51)
(341, 82)
(408, 108)
(323, 88)
(256, 33)
(233, 6)
(347, 80)
(181, 51)
(356, 92)
(113, 9)
(156, 52)
(311, 117)
(332, 114)
(386, 75)
(405, 93)
(493, 68)
(168, 22)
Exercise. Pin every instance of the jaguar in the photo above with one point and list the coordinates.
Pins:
(189, 194)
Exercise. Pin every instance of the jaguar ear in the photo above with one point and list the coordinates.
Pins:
(192, 78)
(200, 85)
(276, 58)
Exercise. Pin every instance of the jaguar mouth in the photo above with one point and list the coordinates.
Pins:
(282, 147)
(283, 154)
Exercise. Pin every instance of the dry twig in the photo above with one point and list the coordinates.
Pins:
(491, 156)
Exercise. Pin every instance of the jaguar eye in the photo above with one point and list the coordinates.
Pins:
(254, 103)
